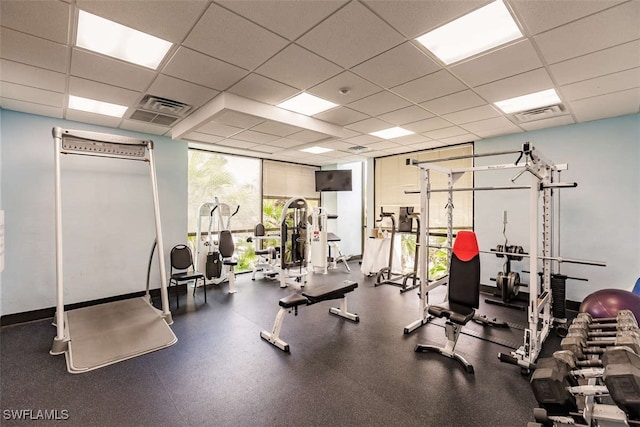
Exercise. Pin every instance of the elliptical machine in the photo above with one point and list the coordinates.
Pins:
(214, 251)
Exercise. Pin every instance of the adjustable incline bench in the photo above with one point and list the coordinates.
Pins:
(309, 297)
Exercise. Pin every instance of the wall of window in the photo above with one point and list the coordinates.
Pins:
(393, 177)
(280, 182)
(234, 180)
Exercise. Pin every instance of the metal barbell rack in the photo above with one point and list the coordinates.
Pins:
(539, 312)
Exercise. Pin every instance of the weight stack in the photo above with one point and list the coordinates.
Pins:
(559, 292)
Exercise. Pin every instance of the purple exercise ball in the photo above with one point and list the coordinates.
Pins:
(607, 303)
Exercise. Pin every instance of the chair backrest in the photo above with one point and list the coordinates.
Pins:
(464, 270)
(181, 258)
(226, 245)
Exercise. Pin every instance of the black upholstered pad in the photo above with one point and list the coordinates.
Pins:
(329, 292)
(187, 275)
(457, 313)
(230, 261)
(332, 237)
(293, 300)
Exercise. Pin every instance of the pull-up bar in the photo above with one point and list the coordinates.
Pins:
(506, 187)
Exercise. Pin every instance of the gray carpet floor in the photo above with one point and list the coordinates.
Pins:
(220, 373)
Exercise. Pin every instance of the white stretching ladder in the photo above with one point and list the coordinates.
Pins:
(95, 144)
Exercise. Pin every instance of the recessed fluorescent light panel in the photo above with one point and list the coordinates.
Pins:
(109, 38)
(527, 102)
(97, 107)
(391, 133)
(307, 104)
(316, 150)
(475, 32)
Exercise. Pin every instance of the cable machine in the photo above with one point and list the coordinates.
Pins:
(86, 335)
(541, 254)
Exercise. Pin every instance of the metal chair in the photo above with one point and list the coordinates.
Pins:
(182, 270)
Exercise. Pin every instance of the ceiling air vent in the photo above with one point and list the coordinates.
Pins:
(161, 111)
(358, 149)
(539, 113)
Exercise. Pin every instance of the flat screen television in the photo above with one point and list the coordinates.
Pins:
(333, 180)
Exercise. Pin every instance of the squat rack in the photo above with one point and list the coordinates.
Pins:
(542, 181)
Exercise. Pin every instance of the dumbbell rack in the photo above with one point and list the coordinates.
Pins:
(578, 387)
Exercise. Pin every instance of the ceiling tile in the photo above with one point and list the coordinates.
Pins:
(606, 29)
(275, 128)
(497, 123)
(350, 36)
(539, 16)
(522, 84)
(110, 71)
(363, 140)
(255, 137)
(547, 123)
(427, 125)
(414, 18)
(602, 85)
(96, 119)
(31, 94)
(498, 64)
(237, 119)
(455, 102)
(379, 103)
(192, 66)
(102, 92)
(445, 133)
(396, 66)
(27, 75)
(341, 116)
(219, 129)
(285, 143)
(290, 19)
(458, 139)
(298, 67)
(472, 114)
(368, 125)
(170, 20)
(307, 136)
(610, 105)
(46, 19)
(236, 143)
(383, 145)
(356, 86)
(180, 90)
(428, 145)
(596, 64)
(203, 137)
(138, 126)
(32, 50)
(31, 108)
(226, 36)
(429, 87)
(262, 89)
(406, 115)
(411, 139)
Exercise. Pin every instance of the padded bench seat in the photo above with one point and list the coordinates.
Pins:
(310, 297)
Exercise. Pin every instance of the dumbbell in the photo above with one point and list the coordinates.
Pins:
(605, 322)
(624, 325)
(581, 346)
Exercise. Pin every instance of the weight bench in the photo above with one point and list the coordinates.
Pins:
(332, 240)
(310, 297)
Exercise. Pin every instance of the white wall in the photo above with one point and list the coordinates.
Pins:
(348, 205)
(107, 215)
(600, 218)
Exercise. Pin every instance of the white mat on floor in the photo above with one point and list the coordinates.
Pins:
(108, 333)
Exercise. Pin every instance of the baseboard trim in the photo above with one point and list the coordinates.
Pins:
(49, 312)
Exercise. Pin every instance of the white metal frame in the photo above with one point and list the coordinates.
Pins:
(540, 318)
(96, 144)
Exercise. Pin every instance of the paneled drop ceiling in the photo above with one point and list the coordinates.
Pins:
(232, 61)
